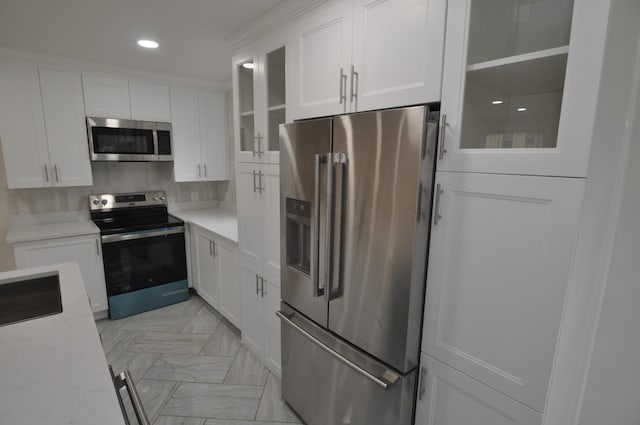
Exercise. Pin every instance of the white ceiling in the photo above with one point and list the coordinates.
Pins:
(191, 33)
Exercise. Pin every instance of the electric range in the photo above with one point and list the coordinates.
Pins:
(143, 249)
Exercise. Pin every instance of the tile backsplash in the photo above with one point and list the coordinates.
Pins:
(110, 177)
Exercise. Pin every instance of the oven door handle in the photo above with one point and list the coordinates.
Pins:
(120, 237)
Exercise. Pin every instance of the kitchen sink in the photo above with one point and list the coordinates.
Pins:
(29, 298)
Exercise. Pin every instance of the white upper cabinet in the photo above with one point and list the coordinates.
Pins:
(22, 131)
(261, 96)
(397, 52)
(106, 97)
(499, 262)
(199, 135)
(42, 128)
(362, 55)
(213, 135)
(323, 61)
(186, 134)
(66, 130)
(149, 101)
(514, 84)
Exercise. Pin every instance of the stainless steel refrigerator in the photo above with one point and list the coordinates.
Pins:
(355, 197)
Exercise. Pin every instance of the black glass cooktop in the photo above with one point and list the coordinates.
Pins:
(133, 219)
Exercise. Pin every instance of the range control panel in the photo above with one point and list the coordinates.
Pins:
(108, 201)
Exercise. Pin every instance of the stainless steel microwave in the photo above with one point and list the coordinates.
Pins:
(114, 139)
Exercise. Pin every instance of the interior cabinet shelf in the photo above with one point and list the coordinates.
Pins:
(246, 114)
(534, 75)
(276, 108)
(526, 57)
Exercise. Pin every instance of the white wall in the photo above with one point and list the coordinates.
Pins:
(599, 221)
(612, 394)
(7, 262)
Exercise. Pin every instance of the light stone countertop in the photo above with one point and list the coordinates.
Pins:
(38, 232)
(53, 368)
(216, 220)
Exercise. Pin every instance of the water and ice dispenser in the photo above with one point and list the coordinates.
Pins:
(298, 234)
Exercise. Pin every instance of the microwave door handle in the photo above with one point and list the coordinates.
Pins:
(317, 290)
(155, 143)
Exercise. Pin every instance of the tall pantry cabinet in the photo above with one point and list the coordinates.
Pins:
(261, 99)
(518, 85)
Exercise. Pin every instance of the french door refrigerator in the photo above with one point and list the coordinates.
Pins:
(355, 211)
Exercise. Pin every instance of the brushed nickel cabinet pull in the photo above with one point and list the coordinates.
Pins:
(436, 213)
(343, 79)
(355, 77)
(254, 181)
(261, 188)
(421, 377)
(443, 127)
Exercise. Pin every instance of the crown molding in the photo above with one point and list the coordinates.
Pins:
(94, 67)
(275, 18)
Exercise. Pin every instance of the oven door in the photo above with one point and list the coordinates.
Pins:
(139, 260)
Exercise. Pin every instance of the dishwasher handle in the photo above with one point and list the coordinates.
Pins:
(124, 379)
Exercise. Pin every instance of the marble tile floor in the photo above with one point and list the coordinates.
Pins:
(191, 369)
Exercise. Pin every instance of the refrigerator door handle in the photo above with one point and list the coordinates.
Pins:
(385, 381)
(334, 226)
(328, 236)
(318, 291)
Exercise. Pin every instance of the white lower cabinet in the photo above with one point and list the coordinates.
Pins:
(85, 250)
(206, 268)
(261, 327)
(449, 397)
(230, 297)
(215, 272)
(499, 261)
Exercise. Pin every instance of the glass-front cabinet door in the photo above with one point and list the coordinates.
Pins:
(504, 85)
(275, 87)
(245, 116)
(260, 99)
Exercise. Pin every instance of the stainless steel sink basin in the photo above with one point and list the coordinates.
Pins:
(29, 298)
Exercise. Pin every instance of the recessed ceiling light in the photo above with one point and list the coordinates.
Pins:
(148, 44)
(248, 65)
(496, 102)
(521, 109)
